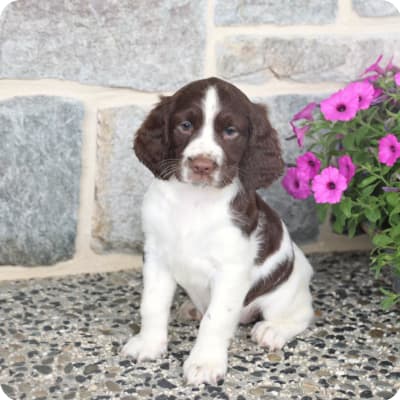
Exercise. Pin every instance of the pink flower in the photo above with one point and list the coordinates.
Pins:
(346, 167)
(371, 79)
(305, 113)
(308, 165)
(377, 92)
(341, 106)
(364, 91)
(397, 79)
(389, 150)
(300, 132)
(390, 66)
(329, 186)
(375, 67)
(296, 184)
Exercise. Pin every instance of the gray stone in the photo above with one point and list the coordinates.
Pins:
(299, 215)
(43, 369)
(375, 8)
(112, 386)
(121, 182)
(40, 162)
(235, 12)
(91, 369)
(255, 59)
(147, 45)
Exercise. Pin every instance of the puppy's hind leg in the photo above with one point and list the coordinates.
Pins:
(287, 311)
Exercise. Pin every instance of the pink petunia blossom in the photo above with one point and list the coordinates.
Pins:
(371, 79)
(328, 186)
(296, 184)
(375, 67)
(397, 79)
(390, 67)
(300, 132)
(308, 165)
(377, 92)
(305, 113)
(364, 91)
(389, 150)
(346, 167)
(341, 106)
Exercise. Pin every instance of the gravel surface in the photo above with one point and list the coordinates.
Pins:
(61, 339)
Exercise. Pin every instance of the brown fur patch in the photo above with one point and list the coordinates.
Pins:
(249, 211)
(271, 282)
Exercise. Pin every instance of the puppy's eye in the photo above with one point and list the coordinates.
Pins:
(185, 127)
(230, 132)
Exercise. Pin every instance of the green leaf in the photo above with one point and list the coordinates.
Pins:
(369, 189)
(385, 169)
(339, 218)
(395, 232)
(390, 299)
(372, 214)
(392, 198)
(348, 141)
(338, 226)
(322, 211)
(367, 181)
(345, 206)
(361, 134)
(353, 224)
(394, 216)
(382, 240)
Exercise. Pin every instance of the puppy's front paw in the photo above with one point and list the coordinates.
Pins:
(205, 367)
(142, 349)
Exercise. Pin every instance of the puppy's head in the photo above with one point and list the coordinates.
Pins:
(209, 133)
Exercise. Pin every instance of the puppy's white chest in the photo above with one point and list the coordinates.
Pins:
(194, 232)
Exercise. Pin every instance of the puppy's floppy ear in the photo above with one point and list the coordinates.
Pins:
(151, 142)
(262, 161)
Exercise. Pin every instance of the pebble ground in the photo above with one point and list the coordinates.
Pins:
(61, 339)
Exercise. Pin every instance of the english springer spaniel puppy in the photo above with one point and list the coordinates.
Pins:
(206, 228)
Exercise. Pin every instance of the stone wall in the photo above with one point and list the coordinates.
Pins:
(77, 78)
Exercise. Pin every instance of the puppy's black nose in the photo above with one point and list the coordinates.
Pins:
(202, 165)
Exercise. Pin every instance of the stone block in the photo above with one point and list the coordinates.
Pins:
(375, 8)
(146, 45)
(120, 183)
(40, 164)
(285, 12)
(257, 59)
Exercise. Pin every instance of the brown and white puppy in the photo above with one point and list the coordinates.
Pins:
(207, 230)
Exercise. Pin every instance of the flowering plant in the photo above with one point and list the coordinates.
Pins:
(352, 166)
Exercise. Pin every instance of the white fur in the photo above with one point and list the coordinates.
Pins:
(287, 311)
(205, 143)
(192, 240)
